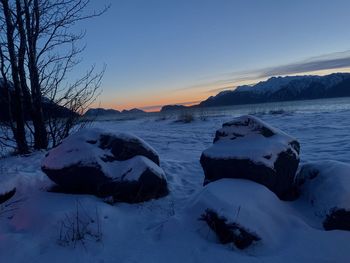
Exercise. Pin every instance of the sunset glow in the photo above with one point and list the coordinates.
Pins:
(190, 56)
(193, 95)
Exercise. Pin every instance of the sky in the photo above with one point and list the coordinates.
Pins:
(161, 52)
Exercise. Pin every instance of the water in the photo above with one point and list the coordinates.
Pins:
(321, 126)
(303, 106)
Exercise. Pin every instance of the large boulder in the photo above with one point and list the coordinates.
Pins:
(250, 149)
(242, 213)
(325, 185)
(118, 165)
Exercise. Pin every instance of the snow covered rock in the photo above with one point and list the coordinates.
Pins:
(250, 149)
(326, 186)
(118, 165)
(243, 213)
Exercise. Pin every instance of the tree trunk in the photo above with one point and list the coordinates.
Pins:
(21, 58)
(7, 97)
(32, 28)
(20, 135)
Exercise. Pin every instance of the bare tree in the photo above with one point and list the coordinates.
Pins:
(42, 50)
(19, 131)
(52, 54)
(28, 31)
(76, 98)
(7, 130)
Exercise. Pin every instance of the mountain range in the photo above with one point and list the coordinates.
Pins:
(274, 89)
(50, 108)
(94, 112)
(284, 89)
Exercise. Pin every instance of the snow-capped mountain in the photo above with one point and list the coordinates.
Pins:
(284, 89)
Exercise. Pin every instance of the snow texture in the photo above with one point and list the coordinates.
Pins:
(168, 229)
(7, 184)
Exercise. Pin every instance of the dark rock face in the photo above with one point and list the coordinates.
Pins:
(149, 186)
(7, 195)
(229, 232)
(337, 219)
(123, 150)
(250, 149)
(325, 185)
(94, 162)
(79, 179)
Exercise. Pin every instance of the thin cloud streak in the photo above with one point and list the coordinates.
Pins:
(307, 67)
(330, 61)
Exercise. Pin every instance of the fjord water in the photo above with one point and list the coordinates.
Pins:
(322, 126)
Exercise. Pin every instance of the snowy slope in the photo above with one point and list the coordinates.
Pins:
(168, 229)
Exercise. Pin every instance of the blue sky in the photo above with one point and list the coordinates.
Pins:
(182, 51)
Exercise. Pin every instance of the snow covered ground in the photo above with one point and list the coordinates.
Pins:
(35, 223)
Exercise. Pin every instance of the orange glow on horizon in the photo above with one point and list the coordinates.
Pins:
(154, 100)
(152, 105)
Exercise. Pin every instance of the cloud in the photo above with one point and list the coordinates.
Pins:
(331, 61)
(217, 90)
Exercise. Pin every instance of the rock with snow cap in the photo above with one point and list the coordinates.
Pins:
(325, 185)
(248, 148)
(96, 162)
(242, 212)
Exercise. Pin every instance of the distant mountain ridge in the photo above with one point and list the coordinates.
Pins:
(284, 89)
(168, 108)
(134, 110)
(50, 108)
(93, 112)
(274, 89)
(100, 111)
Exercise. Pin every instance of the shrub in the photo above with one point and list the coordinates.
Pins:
(185, 118)
(79, 227)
